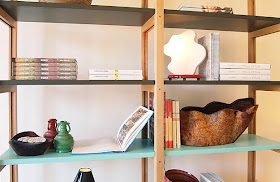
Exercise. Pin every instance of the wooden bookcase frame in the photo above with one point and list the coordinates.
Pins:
(156, 22)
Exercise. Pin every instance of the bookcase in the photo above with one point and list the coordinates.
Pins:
(148, 19)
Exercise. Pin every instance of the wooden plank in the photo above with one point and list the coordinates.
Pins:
(144, 4)
(7, 88)
(148, 88)
(6, 18)
(144, 170)
(266, 87)
(159, 91)
(251, 176)
(149, 25)
(265, 31)
(2, 167)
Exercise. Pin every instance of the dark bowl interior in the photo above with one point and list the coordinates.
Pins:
(176, 175)
(29, 149)
(212, 107)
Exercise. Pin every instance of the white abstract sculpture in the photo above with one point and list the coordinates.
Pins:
(185, 53)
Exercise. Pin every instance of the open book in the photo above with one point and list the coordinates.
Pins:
(125, 136)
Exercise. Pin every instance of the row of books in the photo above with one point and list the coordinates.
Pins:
(202, 8)
(105, 74)
(245, 71)
(172, 124)
(44, 69)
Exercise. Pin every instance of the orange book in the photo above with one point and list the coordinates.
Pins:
(170, 126)
(166, 125)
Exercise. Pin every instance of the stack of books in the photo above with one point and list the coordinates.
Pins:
(245, 71)
(172, 124)
(103, 74)
(209, 68)
(44, 69)
(202, 8)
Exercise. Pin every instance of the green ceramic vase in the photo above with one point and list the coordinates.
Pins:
(63, 142)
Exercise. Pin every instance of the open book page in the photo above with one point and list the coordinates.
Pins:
(132, 126)
(98, 145)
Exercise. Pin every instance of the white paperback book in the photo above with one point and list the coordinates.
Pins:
(244, 72)
(209, 68)
(114, 72)
(246, 77)
(127, 133)
(115, 77)
(224, 65)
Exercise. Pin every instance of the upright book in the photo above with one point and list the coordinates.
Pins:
(125, 136)
(209, 68)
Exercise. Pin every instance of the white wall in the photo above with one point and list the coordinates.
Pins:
(99, 110)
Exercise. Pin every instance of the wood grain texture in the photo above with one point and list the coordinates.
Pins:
(6, 18)
(266, 87)
(251, 176)
(265, 31)
(159, 91)
(145, 171)
(144, 52)
(278, 151)
(148, 88)
(144, 4)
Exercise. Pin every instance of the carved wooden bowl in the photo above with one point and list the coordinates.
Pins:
(217, 123)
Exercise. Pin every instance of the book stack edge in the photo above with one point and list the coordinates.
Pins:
(103, 74)
(202, 8)
(44, 69)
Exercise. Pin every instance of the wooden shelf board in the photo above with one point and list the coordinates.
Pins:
(217, 21)
(77, 82)
(202, 82)
(76, 13)
(140, 148)
(246, 142)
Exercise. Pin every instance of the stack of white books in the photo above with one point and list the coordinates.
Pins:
(104, 74)
(245, 71)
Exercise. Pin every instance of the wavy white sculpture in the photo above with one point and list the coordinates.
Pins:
(185, 53)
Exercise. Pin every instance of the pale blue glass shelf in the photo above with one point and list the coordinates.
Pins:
(246, 142)
(140, 148)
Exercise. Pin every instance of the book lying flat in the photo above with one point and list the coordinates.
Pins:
(114, 72)
(127, 133)
(44, 73)
(115, 77)
(244, 66)
(44, 77)
(244, 72)
(33, 68)
(52, 64)
(198, 8)
(246, 77)
(44, 60)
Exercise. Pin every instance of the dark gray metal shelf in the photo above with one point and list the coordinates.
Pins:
(77, 82)
(217, 21)
(76, 13)
(201, 82)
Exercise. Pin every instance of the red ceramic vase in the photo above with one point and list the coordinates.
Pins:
(51, 133)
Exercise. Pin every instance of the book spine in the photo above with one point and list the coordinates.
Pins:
(170, 125)
(48, 69)
(244, 66)
(44, 77)
(45, 64)
(244, 72)
(44, 60)
(114, 72)
(44, 73)
(246, 77)
(166, 124)
(115, 77)
(178, 140)
(174, 124)
(215, 56)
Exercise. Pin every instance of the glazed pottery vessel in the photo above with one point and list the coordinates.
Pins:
(176, 175)
(63, 142)
(84, 175)
(51, 133)
(217, 123)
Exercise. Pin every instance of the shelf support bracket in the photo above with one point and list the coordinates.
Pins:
(278, 151)
(266, 87)
(2, 167)
(8, 88)
(6, 18)
(149, 25)
(265, 31)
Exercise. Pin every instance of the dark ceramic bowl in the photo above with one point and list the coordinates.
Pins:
(176, 175)
(29, 149)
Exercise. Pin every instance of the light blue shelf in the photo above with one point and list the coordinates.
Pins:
(140, 148)
(246, 142)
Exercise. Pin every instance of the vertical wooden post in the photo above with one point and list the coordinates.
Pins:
(144, 52)
(159, 91)
(252, 93)
(13, 100)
